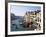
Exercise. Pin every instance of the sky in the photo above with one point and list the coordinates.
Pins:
(21, 10)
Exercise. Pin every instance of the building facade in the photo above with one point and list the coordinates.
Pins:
(33, 18)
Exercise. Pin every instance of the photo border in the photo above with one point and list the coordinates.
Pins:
(6, 18)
